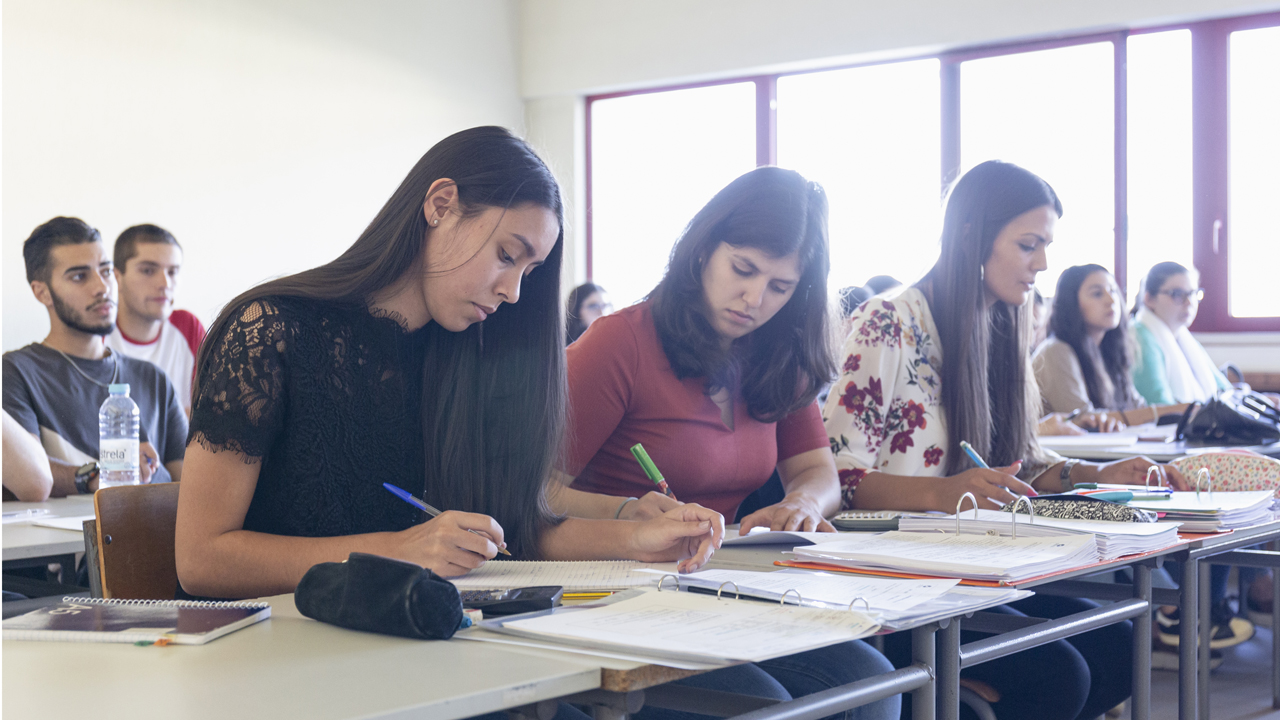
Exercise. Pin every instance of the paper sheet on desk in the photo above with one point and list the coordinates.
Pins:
(882, 594)
(758, 536)
(575, 576)
(75, 523)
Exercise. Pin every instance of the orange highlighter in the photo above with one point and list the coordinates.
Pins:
(651, 470)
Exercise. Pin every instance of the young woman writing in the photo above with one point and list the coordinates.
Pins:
(1086, 362)
(716, 374)
(407, 359)
(948, 360)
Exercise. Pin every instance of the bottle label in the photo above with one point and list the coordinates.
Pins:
(117, 454)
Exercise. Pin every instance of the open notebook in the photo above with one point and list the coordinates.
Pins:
(573, 576)
(128, 621)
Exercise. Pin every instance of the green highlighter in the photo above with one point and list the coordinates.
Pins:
(651, 470)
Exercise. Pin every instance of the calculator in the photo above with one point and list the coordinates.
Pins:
(867, 520)
(510, 601)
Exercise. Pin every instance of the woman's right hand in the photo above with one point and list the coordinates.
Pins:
(689, 533)
(993, 488)
(445, 544)
(652, 505)
(1101, 421)
(1058, 424)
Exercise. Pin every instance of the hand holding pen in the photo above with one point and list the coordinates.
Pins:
(994, 487)
(451, 544)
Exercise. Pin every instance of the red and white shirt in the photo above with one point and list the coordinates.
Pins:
(173, 350)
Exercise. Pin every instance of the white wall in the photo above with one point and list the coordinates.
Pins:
(265, 134)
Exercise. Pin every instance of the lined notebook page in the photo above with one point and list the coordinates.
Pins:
(577, 576)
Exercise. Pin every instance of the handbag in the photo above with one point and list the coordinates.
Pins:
(381, 595)
(1218, 423)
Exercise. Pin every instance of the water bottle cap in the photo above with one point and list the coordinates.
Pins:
(118, 388)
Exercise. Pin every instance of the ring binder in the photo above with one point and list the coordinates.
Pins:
(864, 602)
(737, 593)
(1153, 469)
(663, 579)
(799, 598)
(1030, 511)
(959, 504)
(1207, 477)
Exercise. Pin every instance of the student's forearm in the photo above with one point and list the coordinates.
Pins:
(26, 467)
(247, 564)
(882, 491)
(64, 478)
(584, 539)
(175, 469)
(817, 487)
(576, 503)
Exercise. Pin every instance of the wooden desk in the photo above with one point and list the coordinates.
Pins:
(286, 667)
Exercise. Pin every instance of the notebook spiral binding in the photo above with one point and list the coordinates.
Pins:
(168, 603)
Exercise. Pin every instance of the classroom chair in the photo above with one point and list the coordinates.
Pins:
(132, 542)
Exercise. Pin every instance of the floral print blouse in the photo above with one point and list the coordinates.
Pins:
(884, 413)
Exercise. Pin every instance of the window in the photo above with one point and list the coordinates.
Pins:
(1159, 153)
(1160, 141)
(870, 136)
(656, 159)
(1254, 181)
(1051, 112)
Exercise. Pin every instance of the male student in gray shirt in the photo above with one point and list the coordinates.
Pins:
(53, 389)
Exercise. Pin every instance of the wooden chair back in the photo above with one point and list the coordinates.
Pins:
(135, 529)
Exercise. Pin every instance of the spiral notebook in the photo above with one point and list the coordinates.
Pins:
(181, 622)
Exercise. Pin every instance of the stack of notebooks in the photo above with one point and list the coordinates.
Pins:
(573, 576)
(991, 558)
(182, 622)
(1209, 512)
(1115, 539)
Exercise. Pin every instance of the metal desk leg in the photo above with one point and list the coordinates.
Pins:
(1206, 632)
(923, 699)
(948, 680)
(1275, 628)
(1141, 706)
(1189, 613)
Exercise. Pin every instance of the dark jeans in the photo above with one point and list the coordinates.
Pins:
(1078, 678)
(781, 679)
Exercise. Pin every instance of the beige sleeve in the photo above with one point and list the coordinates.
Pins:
(1060, 379)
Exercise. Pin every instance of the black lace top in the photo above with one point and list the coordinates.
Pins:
(327, 397)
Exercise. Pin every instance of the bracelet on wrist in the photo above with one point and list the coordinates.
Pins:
(1065, 474)
(618, 515)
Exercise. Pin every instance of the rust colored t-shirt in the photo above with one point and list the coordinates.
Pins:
(622, 391)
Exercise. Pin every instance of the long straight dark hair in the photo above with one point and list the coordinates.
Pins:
(493, 401)
(574, 327)
(988, 391)
(1104, 365)
(780, 366)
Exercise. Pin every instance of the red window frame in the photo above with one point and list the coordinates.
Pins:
(1210, 148)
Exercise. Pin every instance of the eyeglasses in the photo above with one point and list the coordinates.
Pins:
(599, 307)
(1180, 296)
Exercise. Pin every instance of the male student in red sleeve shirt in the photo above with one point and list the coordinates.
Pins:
(148, 260)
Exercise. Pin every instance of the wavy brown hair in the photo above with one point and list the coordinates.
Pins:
(780, 366)
(1104, 365)
(988, 392)
(493, 402)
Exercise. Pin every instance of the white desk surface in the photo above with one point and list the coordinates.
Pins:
(286, 667)
(24, 540)
(1145, 446)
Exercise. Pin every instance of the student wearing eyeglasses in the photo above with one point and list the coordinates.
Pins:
(1171, 366)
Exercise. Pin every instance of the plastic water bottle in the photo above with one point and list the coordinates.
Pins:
(118, 439)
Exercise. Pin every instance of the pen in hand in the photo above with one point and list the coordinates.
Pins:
(414, 501)
(651, 470)
(977, 459)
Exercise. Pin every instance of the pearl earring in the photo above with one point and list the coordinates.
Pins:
(435, 223)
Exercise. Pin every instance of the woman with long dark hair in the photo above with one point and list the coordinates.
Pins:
(948, 359)
(1087, 360)
(586, 303)
(716, 374)
(407, 360)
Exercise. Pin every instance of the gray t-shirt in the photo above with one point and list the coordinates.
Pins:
(54, 402)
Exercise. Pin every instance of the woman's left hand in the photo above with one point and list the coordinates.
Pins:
(793, 513)
(689, 533)
(1133, 471)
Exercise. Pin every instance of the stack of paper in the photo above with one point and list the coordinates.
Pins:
(976, 557)
(1114, 539)
(676, 627)
(573, 576)
(1211, 511)
(894, 602)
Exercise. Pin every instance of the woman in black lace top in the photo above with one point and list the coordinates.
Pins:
(406, 360)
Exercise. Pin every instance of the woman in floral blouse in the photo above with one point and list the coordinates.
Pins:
(946, 360)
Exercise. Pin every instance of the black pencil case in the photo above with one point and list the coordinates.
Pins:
(381, 595)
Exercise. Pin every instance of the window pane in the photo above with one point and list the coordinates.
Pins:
(1159, 143)
(1254, 180)
(656, 159)
(1052, 112)
(870, 136)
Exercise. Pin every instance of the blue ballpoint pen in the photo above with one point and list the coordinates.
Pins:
(973, 455)
(408, 497)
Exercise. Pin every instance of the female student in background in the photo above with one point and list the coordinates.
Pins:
(405, 360)
(716, 374)
(1086, 362)
(586, 303)
(1171, 366)
(948, 360)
